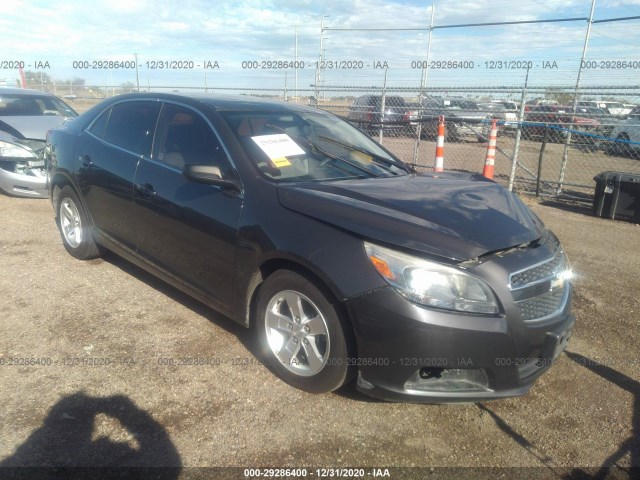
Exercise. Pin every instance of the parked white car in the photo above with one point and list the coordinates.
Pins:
(628, 135)
(614, 108)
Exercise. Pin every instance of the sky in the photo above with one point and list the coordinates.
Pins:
(216, 44)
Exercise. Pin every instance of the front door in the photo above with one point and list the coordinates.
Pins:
(186, 229)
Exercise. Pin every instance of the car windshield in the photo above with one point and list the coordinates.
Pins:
(463, 105)
(12, 105)
(452, 104)
(389, 101)
(309, 146)
(493, 107)
(594, 111)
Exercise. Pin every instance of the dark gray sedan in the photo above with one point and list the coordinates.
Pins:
(345, 262)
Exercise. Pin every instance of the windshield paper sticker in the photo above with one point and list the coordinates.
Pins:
(278, 146)
(361, 157)
(281, 162)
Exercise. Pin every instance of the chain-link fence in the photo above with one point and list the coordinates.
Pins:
(552, 143)
(548, 140)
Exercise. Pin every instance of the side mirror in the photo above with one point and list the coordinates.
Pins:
(209, 175)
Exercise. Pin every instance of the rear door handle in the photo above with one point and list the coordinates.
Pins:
(147, 189)
(86, 160)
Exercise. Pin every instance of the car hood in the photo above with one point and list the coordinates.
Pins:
(449, 215)
(32, 127)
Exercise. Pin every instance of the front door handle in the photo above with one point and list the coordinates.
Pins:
(147, 189)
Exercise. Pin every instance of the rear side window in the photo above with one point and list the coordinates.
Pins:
(394, 102)
(98, 126)
(131, 126)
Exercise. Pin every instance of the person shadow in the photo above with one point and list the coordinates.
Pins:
(95, 437)
(613, 467)
(631, 446)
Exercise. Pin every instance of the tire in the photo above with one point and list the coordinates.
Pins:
(626, 150)
(74, 226)
(306, 345)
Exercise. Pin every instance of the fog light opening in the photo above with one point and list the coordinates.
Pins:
(429, 379)
(427, 373)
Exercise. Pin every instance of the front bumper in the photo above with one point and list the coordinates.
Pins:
(21, 185)
(411, 352)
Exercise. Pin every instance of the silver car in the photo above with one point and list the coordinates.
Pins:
(25, 118)
(626, 136)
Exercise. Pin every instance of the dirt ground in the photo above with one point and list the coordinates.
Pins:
(86, 375)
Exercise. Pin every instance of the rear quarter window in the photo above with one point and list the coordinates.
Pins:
(98, 126)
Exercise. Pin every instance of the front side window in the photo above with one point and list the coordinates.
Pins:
(185, 138)
(131, 126)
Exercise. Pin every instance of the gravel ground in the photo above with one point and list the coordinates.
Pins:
(107, 329)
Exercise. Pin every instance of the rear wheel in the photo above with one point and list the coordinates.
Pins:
(626, 149)
(74, 227)
(301, 334)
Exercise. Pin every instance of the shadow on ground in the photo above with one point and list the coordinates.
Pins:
(610, 468)
(73, 442)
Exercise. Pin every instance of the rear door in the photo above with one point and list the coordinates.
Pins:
(108, 153)
(185, 229)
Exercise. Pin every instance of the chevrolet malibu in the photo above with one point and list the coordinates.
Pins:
(345, 262)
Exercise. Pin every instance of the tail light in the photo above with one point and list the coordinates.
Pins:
(410, 115)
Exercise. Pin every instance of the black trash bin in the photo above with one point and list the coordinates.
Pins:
(617, 195)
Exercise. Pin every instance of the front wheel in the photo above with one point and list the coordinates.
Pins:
(301, 334)
(74, 227)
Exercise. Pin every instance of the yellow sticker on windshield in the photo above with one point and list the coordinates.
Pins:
(281, 162)
(361, 157)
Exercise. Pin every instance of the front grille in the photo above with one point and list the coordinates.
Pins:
(542, 305)
(541, 291)
(540, 272)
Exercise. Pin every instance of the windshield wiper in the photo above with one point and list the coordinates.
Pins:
(315, 147)
(379, 158)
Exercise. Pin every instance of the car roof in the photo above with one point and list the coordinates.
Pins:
(224, 102)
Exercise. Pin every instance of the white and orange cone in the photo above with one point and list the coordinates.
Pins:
(439, 165)
(490, 161)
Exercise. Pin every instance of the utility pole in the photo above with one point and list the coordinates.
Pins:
(565, 153)
(137, 73)
(423, 84)
(319, 64)
(516, 146)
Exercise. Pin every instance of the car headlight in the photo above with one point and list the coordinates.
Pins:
(12, 150)
(432, 284)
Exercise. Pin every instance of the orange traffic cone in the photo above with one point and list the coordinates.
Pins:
(439, 165)
(489, 163)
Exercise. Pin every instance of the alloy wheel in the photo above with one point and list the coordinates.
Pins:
(297, 333)
(70, 223)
